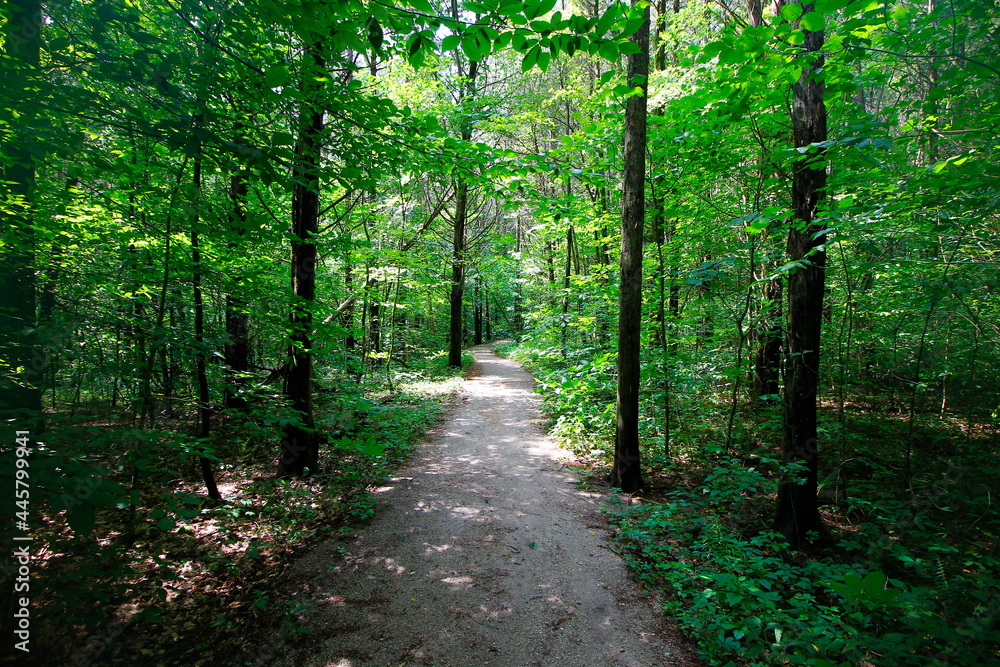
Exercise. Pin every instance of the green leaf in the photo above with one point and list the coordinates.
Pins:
(543, 60)
(450, 42)
(282, 138)
(874, 582)
(476, 7)
(167, 523)
(830, 6)
(372, 448)
(530, 58)
(510, 8)
(535, 8)
(375, 36)
(81, 518)
(632, 26)
(413, 45)
(275, 76)
(791, 11)
(470, 47)
(415, 50)
(628, 48)
(608, 51)
(812, 21)
(607, 20)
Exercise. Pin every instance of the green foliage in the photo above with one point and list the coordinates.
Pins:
(126, 99)
(745, 597)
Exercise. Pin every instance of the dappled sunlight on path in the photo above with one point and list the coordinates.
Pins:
(483, 551)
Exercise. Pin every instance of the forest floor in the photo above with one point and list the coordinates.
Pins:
(485, 550)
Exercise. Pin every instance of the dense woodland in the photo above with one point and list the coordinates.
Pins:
(748, 251)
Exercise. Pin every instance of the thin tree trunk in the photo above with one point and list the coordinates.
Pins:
(204, 409)
(47, 296)
(518, 295)
(767, 362)
(375, 330)
(477, 313)
(236, 350)
(455, 329)
(626, 473)
(486, 308)
(350, 342)
(564, 331)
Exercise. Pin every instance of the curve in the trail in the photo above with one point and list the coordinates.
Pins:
(483, 552)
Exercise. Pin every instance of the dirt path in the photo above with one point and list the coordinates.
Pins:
(483, 552)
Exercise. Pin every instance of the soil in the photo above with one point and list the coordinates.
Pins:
(484, 551)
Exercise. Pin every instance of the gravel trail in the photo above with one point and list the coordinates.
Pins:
(482, 552)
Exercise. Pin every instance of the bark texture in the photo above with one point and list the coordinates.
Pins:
(300, 447)
(456, 333)
(626, 473)
(455, 328)
(797, 514)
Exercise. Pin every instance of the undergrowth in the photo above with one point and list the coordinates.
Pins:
(128, 569)
(747, 599)
(910, 575)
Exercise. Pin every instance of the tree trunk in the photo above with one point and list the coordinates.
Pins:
(47, 297)
(375, 330)
(455, 329)
(236, 350)
(350, 342)
(767, 362)
(626, 473)
(797, 515)
(564, 330)
(22, 376)
(486, 308)
(456, 337)
(477, 313)
(204, 409)
(300, 447)
(518, 294)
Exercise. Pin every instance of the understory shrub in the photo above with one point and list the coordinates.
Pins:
(749, 600)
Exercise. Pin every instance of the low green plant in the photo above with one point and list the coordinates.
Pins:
(504, 348)
(749, 600)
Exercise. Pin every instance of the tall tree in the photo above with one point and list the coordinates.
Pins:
(204, 408)
(466, 92)
(626, 472)
(797, 514)
(300, 447)
(237, 346)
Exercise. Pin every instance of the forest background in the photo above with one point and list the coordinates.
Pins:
(244, 245)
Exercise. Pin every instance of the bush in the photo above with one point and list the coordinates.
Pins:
(749, 600)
